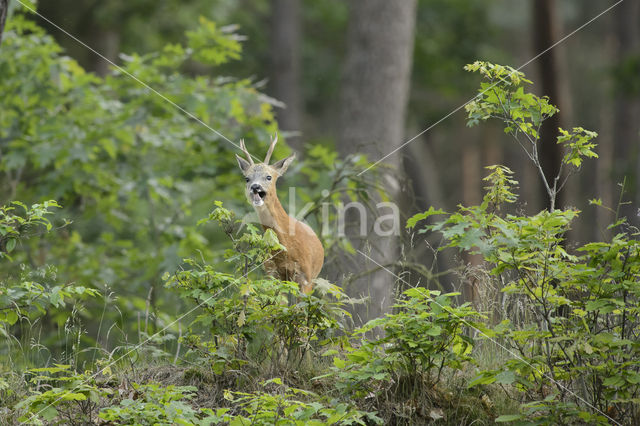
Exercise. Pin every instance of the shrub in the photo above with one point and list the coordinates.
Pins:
(575, 353)
(33, 291)
(152, 404)
(133, 170)
(255, 319)
(425, 336)
(61, 393)
(285, 405)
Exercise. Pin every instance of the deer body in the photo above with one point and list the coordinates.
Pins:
(303, 259)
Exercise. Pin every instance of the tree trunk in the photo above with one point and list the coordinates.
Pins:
(4, 5)
(423, 175)
(627, 103)
(553, 72)
(375, 91)
(603, 181)
(107, 42)
(284, 79)
(471, 196)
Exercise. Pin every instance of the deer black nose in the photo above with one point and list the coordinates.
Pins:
(255, 187)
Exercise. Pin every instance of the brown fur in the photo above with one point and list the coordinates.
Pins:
(303, 259)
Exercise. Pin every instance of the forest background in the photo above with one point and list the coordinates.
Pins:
(134, 176)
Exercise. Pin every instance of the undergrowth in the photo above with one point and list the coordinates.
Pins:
(557, 343)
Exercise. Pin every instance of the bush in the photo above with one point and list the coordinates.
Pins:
(575, 352)
(287, 406)
(132, 170)
(151, 404)
(424, 340)
(61, 392)
(255, 319)
(30, 292)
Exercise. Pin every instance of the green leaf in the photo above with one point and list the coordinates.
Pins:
(241, 319)
(10, 245)
(633, 378)
(613, 381)
(271, 239)
(433, 331)
(10, 317)
(509, 418)
(484, 378)
(71, 396)
(413, 220)
(506, 377)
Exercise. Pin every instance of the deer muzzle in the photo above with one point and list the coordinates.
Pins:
(257, 194)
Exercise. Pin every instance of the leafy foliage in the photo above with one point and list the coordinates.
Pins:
(32, 292)
(573, 341)
(255, 319)
(15, 226)
(60, 391)
(135, 172)
(426, 338)
(572, 346)
(131, 169)
(153, 404)
(503, 97)
(287, 406)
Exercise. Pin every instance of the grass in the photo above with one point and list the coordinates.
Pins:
(447, 403)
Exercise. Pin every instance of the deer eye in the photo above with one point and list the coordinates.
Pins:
(247, 179)
(268, 177)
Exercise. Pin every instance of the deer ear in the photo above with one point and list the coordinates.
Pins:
(242, 163)
(282, 165)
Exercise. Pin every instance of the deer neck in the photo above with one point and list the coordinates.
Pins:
(272, 215)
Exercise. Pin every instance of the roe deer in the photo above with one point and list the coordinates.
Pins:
(303, 259)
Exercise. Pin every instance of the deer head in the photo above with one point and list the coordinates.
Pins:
(261, 178)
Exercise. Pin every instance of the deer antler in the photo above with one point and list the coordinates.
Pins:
(273, 144)
(244, 149)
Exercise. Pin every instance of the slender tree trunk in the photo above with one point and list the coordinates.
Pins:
(552, 69)
(423, 174)
(422, 170)
(375, 91)
(284, 80)
(471, 196)
(4, 5)
(107, 42)
(471, 168)
(604, 165)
